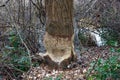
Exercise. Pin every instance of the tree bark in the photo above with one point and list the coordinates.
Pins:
(58, 39)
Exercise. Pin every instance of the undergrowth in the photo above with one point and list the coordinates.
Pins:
(106, 69)
(14, 57)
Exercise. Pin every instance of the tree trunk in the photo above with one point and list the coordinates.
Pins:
(58, 39)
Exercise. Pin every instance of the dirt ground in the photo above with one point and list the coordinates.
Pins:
(76, 70)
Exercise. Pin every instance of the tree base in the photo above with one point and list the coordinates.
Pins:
(60, 51)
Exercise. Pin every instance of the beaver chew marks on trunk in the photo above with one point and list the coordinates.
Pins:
(58, 39)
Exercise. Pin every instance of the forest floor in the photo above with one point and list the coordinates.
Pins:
(75, 71)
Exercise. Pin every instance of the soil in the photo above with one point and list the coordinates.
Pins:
(75, 71)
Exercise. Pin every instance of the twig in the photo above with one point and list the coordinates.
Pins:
(16, 27)
(3, 5)
(93, 66)
(35, 4)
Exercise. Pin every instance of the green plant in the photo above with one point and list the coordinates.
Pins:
(82, 36)
(59, 77)
(15, 55)
(85, 38)
(110, 36)
(105, 69)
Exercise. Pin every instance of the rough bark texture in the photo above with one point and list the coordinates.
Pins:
(58, 39)
(59, 14)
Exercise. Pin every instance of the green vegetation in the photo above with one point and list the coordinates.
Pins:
(110, 36)
(59, 77)
(15, 55)
(104, 69)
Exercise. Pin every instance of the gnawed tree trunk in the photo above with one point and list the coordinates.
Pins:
(58, 39)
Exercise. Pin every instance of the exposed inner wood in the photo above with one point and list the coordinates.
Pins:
(58, 39)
